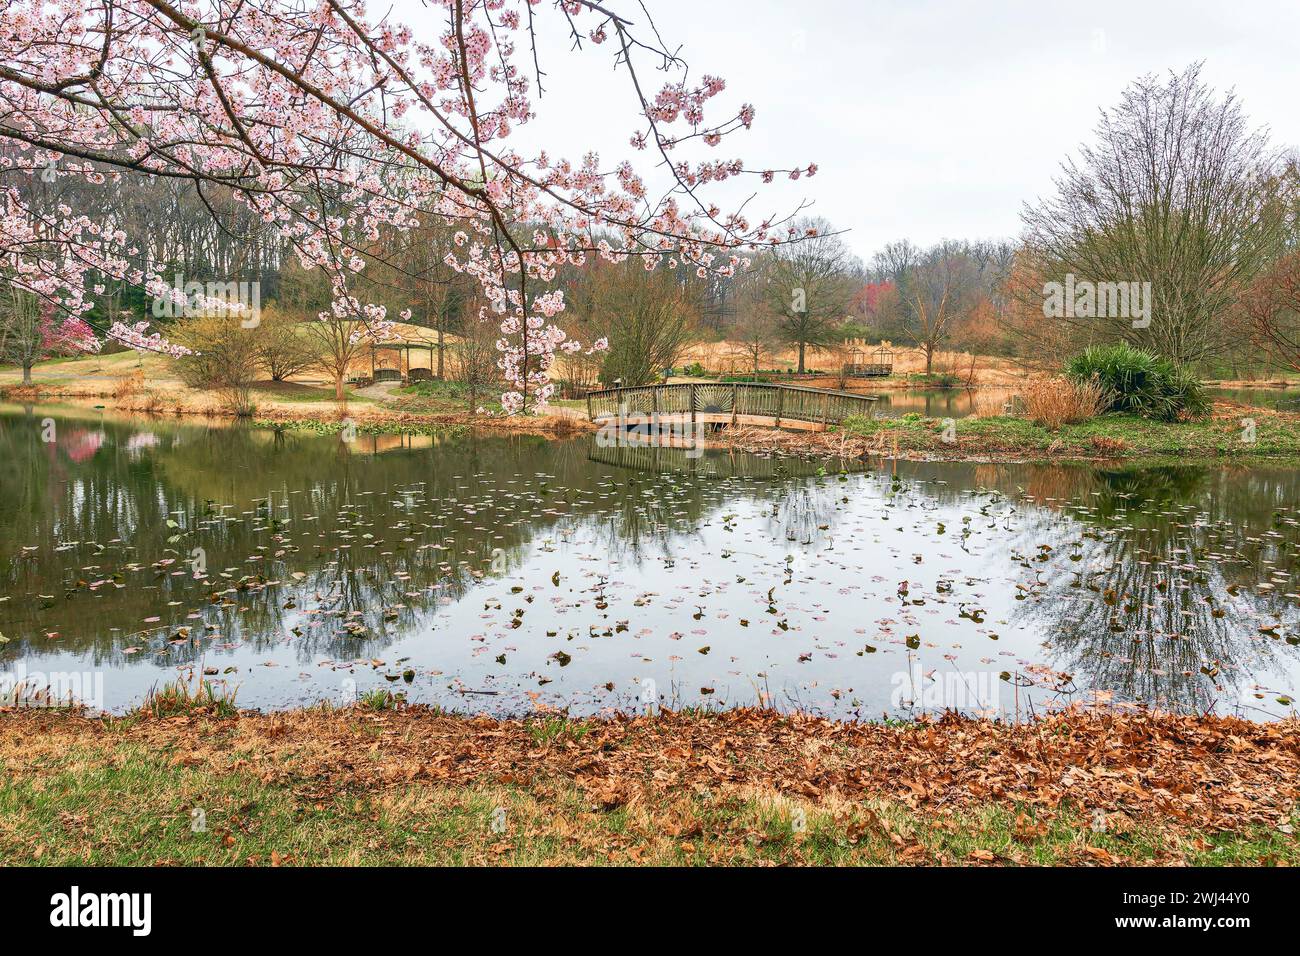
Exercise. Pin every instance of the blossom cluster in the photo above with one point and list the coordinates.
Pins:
(338, 131)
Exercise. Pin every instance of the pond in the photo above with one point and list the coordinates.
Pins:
(1281, 399)
(939, 402)
(502, 574)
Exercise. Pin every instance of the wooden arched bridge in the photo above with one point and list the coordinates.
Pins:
(732, 403)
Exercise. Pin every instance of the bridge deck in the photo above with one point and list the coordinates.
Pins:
(740, 403)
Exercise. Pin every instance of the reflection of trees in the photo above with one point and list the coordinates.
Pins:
(302, 536)
(650, 514)
(262, 506)
(800, 511)
(1135, 596)
(659, 511)
(305, 535)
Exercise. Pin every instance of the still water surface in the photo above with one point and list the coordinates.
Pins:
(502, 574)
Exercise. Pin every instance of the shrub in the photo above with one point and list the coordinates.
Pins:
(281, 346)
(1053, 402)
(1108, 445)
(1137, 381)
(126, 386)
(225, 358)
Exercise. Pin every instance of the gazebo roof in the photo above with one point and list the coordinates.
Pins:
(416, 336)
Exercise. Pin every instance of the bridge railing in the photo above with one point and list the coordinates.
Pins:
(757, 399)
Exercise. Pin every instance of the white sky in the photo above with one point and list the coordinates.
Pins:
(929, 119)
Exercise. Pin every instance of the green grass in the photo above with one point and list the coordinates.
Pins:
(1112, 435)
(185, 697)
(334, 427)
(435, 397)
(548, 730)
(302, 394)
(380, 698)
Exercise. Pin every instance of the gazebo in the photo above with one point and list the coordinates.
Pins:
(378, 374)
(880, 365)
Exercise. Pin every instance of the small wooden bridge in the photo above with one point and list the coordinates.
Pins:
(731, 403)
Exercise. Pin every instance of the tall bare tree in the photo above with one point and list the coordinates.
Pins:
(1176, 191)
(938, 289)
(336, 342)
(754, 338)
(809, 286)
(20, 329)
(647, 317)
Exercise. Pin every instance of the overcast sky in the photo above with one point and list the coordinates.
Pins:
(929, 119)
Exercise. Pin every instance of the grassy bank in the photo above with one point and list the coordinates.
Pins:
(148, 385)
(1107, 436)
(363, 786)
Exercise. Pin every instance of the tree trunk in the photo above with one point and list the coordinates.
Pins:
(27, 373)
(440, 347)
(929, 358)
(802, 346)
(338, 388)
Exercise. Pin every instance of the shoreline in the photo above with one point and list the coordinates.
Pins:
(360, 786)
(364, 413)
(1001, 439)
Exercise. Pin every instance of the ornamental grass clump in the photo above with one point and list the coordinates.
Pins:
(1140, 382)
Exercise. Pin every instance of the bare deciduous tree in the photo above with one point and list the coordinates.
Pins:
(336, 342)
(282, 345)
(20, 329)
(754, 338)
(1176, 191)
(474, 359)
(647, 317)
(1271, 310)
(942, 285)
(809, 286)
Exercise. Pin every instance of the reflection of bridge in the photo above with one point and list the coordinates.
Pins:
(736, 403)
(712, 463)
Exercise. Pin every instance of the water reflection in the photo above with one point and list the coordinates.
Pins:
(503, 573)
(938, 402)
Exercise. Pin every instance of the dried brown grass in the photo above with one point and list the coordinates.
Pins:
(991, 405)
(1053, 402)
(127, 386)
